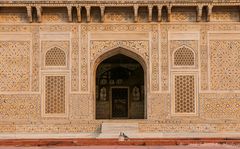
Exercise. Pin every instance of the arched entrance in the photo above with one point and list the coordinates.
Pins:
(120, 88)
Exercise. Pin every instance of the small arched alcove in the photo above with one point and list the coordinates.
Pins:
(120, 87)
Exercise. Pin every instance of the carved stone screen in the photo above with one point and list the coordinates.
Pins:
(55, 57)
(184, 94)
(183, 57)
(55, 94)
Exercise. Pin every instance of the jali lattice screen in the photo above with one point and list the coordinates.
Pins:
(184, 93)
(55, 57)
(183, 57)
(55, 94)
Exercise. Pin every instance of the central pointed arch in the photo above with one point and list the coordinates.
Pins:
(133, 90)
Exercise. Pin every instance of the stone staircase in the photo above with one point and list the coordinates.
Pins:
(113, 129)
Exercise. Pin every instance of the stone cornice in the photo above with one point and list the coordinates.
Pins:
(117, 2)
(39, 6)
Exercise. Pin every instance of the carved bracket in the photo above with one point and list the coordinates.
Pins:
(150, 13)
(239, 11)
(79, 17)
(69, 10)
(29, 14)
(88, 9)
(209, 12)
(102, 8)
(39, 13)
(169, 12)
(159, 13)
(135, 7)
(199, 13)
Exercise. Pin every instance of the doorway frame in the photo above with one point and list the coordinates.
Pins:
(127, 51)
(110, 97)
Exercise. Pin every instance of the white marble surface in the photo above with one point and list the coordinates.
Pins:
(119, 127)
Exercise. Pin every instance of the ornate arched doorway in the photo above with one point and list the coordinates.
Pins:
(120, 90)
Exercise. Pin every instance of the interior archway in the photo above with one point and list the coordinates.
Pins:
(120, 90)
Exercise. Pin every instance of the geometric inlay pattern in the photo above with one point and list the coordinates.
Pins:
(184, 94)
(19, 107)
(55, 57)
(183, 57)
(183, 15)
(84, 55)
(80, 106)
(15, 65)
(75, 59)
(35, 58)
(140, 47)
(225, 64)
(55, 94)
(225, 15)
(49, 16)
(225, 103)
(13, 17)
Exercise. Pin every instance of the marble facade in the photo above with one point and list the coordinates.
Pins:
(50, 51)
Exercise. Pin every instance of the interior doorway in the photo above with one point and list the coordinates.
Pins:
(120, 88)
(119, 97)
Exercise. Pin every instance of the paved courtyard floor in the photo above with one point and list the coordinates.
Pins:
(202, 146)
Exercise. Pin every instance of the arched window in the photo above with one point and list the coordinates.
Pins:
(183, 56)
(55, 57)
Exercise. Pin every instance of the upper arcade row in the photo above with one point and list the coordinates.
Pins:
(155, 11)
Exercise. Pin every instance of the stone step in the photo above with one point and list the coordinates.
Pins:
(119, 127)
(112, 130)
